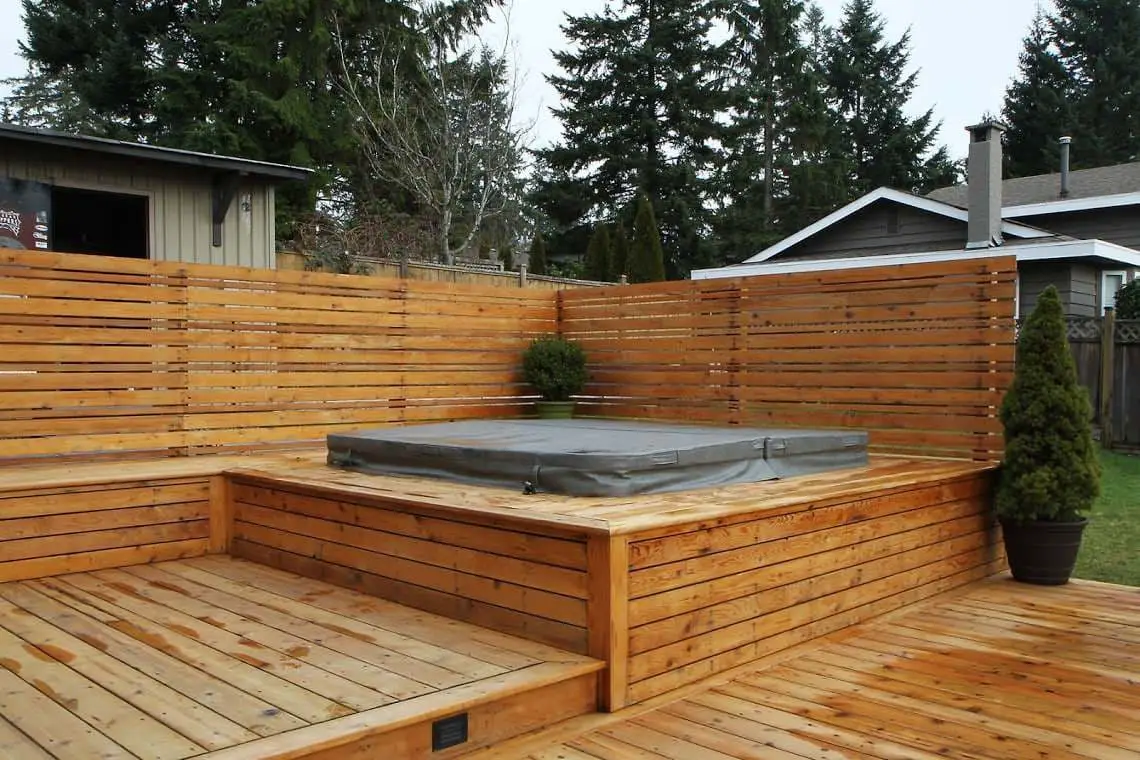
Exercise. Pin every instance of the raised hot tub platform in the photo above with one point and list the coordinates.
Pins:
(667, 588)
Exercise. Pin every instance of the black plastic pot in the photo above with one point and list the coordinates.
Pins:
(1043, 553)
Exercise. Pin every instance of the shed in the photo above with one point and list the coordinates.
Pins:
(83, 194)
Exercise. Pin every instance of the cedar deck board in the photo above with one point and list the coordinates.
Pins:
(911, 685)
(216, 656)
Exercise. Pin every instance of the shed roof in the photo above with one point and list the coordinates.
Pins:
(144, 152)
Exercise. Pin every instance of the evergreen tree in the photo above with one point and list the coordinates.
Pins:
(870, 86)
(260, 80)
(620, 262)
(639, 115)
(599, 255)
(1037, 105)
(818, 170)
(536, 259)
(1098, 43)
(646, 259)
(767, 76)
(1050, 470)
(507, 257)
(484, 251)
(1128, 301)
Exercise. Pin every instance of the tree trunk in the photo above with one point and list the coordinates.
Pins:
(445, 254)
(769, 161)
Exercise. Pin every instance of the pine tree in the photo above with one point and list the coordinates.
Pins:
(1097, 42)
(767, 76)
(599, 255)
(817, 169)
(639, 115)
(620, 263)
(1037, 105)
(536, 259)
(646, 259)
(870, 87)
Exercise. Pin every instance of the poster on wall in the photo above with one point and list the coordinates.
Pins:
(25, 214)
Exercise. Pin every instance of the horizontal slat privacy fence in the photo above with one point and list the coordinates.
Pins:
(103, 355)
(919, 355)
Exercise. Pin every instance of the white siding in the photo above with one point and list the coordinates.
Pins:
(179, 202)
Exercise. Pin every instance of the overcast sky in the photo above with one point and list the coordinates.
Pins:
(964, 65)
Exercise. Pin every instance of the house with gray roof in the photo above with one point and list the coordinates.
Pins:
(1078, 230)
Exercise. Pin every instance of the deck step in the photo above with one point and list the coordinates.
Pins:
(221, 659)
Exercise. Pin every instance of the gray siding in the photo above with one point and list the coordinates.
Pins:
(1077, 284)
(1084, 295)
(179, 201)
(1119, 225)
(873, 232)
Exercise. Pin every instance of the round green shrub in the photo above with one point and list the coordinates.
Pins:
(555, 367)
(1050, 471)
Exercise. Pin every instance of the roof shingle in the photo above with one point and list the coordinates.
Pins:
(1042, 188)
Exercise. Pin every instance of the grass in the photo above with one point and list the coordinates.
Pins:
(1111, 548)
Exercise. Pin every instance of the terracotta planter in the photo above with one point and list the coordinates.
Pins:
(1043, 553)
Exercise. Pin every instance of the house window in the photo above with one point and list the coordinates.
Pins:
(1110, 283)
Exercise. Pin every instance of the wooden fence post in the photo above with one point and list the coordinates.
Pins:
(1107, 374)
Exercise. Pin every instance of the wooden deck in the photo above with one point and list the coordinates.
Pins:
(998, 670)
(227, 660)
(667, 589)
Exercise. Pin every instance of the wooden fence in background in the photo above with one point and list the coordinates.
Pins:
(107, 355)
(1110, 371)
(918, 355)
(423, 270)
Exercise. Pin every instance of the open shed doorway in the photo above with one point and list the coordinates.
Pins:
(93, 221)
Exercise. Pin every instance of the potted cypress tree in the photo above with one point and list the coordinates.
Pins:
(556, 368)
(1050, 475)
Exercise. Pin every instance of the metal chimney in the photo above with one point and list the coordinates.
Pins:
(983, 169)
(1065, 143)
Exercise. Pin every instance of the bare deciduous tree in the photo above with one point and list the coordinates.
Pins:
(438, 121)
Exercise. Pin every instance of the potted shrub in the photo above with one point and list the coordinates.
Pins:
(1050, 474)
(556, 368)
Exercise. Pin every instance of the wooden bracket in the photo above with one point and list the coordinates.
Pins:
(225, 187)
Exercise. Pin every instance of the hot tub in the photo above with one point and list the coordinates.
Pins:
(595, 457)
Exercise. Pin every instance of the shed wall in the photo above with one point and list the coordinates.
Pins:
(179, 202)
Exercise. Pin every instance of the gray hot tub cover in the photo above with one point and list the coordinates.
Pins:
(596, 457)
